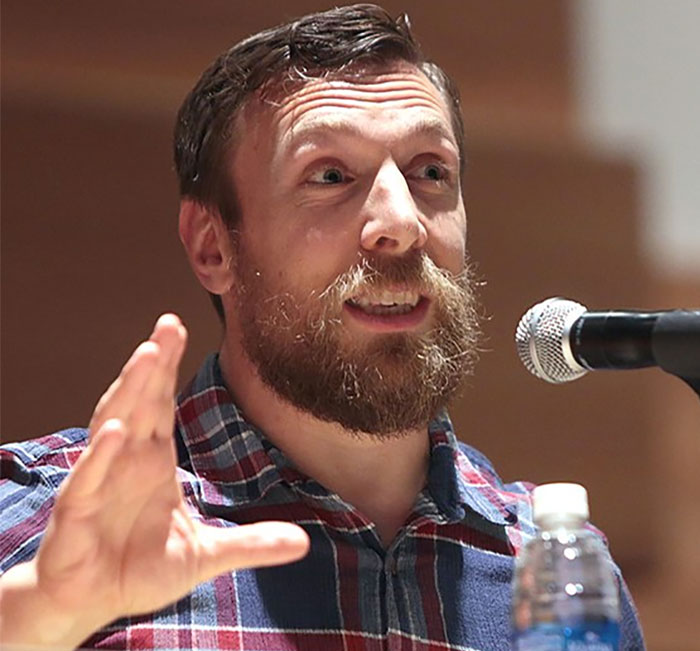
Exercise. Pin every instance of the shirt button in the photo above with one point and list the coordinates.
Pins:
(391, 565)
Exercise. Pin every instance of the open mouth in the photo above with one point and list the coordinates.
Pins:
(387, 303)
(389, 310)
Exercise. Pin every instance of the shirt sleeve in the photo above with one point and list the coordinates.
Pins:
(30, 475)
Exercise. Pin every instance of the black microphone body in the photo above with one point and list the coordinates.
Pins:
(621, 340)
(615, 339)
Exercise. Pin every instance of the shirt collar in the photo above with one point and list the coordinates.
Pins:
(240, 465)
(461, 478)
(218, 445)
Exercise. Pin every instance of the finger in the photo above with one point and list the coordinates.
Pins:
(171, 335)
(123, 394)
(155, 410)
(253, 545)
(165, 421)
(94, 463)
(127, 390)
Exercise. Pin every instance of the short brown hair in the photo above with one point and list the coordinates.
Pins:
(313, 46)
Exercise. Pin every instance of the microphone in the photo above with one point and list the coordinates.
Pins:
(559, 340)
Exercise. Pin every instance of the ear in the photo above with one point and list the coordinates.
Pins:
(208, 246)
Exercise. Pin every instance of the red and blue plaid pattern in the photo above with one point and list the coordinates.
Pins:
(443, 583)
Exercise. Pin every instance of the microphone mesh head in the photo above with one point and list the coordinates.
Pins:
(542, 340)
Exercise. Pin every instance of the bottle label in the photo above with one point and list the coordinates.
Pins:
(585, 636)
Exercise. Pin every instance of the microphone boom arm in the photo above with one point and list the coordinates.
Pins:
(676, 345)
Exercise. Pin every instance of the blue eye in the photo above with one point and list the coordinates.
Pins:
(328, 176)
(434, 172)
(333, 175)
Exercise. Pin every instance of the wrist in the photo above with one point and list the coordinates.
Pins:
(29, 619)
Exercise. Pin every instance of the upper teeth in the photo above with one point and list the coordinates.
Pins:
(388, 298)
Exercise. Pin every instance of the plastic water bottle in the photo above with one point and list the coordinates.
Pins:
(565, 594)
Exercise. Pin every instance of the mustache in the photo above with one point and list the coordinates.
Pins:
(413, 272)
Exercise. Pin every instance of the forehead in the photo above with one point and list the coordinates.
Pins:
(362, 103)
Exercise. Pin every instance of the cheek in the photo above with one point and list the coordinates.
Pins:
(314, 257)
(448, 246)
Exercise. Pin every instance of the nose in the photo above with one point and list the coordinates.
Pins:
(392, 222)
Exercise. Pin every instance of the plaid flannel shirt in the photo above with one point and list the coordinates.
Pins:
(443, 583)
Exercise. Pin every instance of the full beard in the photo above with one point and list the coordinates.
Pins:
(382, 385)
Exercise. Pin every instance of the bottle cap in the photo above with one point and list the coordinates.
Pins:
(560, 500)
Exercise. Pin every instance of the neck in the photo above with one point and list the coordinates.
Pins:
(380, 476)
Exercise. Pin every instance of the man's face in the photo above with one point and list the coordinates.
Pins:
(352, 297)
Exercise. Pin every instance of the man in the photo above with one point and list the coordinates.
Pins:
(320, 168)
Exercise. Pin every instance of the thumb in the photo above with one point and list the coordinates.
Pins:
(247, 546)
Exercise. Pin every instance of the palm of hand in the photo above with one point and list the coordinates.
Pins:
(120, 540)
(131, 544)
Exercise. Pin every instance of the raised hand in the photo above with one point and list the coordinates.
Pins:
(120, 520)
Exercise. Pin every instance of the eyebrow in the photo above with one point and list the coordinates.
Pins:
(317, 129)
